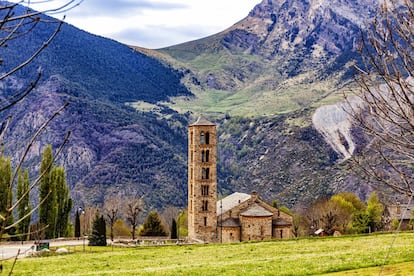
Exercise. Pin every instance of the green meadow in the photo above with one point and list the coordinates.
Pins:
(347, 255)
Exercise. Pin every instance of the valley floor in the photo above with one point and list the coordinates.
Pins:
(347, 255)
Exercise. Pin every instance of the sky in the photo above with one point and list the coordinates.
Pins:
(151, 23)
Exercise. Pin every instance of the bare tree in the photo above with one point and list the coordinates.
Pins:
(169, 214)
(16, 25)
(384, 106)
(133, 208)
(111, 210)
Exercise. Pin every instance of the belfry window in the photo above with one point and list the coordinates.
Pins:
(205, 173)
(207, 138)
(202, 138)
(205, 154)
(204, 190)
(204, 206)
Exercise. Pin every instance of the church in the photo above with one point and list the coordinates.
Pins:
(235, 218)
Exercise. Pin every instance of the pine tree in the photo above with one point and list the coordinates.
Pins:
(153, 226)
(98, 235)
(24, 208)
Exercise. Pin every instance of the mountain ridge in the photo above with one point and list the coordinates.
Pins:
(262, 99)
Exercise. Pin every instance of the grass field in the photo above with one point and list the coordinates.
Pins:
(353, 255)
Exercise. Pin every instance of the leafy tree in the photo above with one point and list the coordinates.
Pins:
(98, 235)
(153, 226)
(182, 223)
(24, 208)
(77, 225)
(395, 223)
(121, 229)
(374, 211)
(384, 106)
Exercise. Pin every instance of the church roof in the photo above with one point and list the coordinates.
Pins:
(202, 121)
(230, 202)
(231, 222)
(281, 222)
(256, 211)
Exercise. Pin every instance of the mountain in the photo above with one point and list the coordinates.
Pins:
(113, 148)
(267, 75)
(261, 81)
(284, 56)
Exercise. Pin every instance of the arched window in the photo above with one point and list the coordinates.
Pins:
(205, 155)
(204, 190)
(204, 206)
(205, 173)
(207, 138)
(191, 138)
(202, 138)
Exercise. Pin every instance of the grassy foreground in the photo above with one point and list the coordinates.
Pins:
(284, 257)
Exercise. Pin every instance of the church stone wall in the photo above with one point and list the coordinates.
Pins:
(256, 228)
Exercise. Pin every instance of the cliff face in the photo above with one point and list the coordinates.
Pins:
(279, 40)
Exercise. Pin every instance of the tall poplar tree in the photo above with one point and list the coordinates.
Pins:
(56, 203)
(6, 194)
(24, 208)
(63, 201)
(47, 194)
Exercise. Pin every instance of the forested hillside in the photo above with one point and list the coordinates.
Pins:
(112, 148)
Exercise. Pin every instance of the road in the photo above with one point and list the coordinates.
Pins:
(10, 249)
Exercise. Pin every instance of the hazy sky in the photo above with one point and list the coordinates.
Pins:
(153, 23)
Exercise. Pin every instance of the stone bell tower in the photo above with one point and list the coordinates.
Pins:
(202, 181)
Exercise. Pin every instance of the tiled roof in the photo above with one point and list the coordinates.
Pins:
(230, 222)
(202, 121)
(230, 202)
(281, 222)
(256, 211)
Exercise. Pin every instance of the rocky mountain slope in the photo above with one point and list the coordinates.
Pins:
(285, 59)
(284, 56)
(290, 61)
(112, 148)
